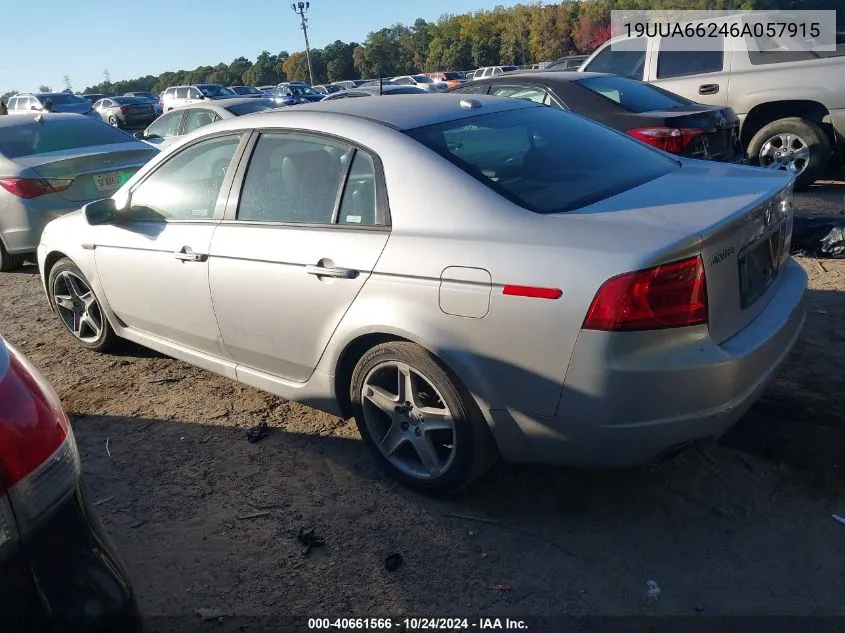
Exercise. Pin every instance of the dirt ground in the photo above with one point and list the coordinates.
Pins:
(744, 527)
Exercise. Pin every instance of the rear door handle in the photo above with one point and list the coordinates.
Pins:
(339, 273)
(708, 89)
(187, 254)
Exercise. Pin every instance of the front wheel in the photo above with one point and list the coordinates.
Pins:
(421, 424)
(78, 308)
(114, 122)
(795, 145)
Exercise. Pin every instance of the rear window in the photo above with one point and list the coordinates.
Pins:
(129, 100)
(256, 105)
(63, 99)
(632, 95)
(34, 138)
(526, 156)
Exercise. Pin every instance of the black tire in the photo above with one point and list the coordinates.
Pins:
(817, 142)
(9, 262)
(107, 339)
(114, 122)
(475, 448)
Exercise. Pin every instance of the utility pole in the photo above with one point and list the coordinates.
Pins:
(300, 8)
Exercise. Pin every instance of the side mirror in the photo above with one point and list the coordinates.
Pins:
(141, 135)
(202, 96)
(34, 108)
(100, 212)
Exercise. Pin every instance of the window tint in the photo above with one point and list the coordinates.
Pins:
(195, 119)
(681, 56)
(358, 205)
(187, 185)
(525, 155)
(624, 58)
(527, 93)
(255, 105)
(632, 95)
(292, 178)
(166, 126)
(30, 137)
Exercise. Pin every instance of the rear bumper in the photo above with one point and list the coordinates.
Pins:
(22, 221)
(628, 399)
(67, 573)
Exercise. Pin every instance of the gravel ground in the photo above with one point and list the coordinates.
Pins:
(207, 522)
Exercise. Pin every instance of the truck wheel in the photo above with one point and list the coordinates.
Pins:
(795, 145)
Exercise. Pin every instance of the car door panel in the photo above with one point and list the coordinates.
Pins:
(297, 261)
(153, 262)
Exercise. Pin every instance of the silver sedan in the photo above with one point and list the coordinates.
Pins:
(598, 312)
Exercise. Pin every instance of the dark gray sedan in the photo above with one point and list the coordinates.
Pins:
(126, 112)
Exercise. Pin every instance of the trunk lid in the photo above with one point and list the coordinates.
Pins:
(97, 172)
(743, 242)
(720, 140)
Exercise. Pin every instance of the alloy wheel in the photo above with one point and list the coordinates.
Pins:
(408, 419)
(77, 307)
(788, 152)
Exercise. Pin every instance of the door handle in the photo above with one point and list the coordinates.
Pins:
(339, 273)
(188, 255)
(708, 89)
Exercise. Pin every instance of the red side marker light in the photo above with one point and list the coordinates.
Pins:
(532, 292)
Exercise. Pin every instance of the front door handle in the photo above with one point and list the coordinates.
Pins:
(339, 273)
(187, 254)
(708, 89)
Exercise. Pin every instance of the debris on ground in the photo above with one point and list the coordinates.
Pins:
(257, 432)
(210, 614)
(652, 589)
(819, 236)
(309, 539)
(254, 515)
(838, 519)
(165, 381)
(393, 562)
(472, 533)
(102, 501)
(500, 586)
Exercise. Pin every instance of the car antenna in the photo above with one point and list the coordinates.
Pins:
(380, 85)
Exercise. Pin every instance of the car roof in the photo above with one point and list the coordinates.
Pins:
(217, 104)
(401, 112)
(544, 75)
(22, 119)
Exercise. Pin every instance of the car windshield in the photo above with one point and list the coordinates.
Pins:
(302, 90)
(451, 76)
(254, 105)
(405, 90)
(422, 79)
(62, 98)
(632, 95)
(32, 137)
(525, 155)
(211, 90)
(129, 100)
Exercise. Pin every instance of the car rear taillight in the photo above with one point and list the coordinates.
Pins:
(39, 462)
(124, 109)
(669, 139)
(34, 187)
(666, 296)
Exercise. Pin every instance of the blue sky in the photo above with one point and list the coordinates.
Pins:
(81, 38)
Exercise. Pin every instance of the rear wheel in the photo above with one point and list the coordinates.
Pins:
(795, 145)
(78, 307)
(9, 262)
(422, 425)
(114, 122)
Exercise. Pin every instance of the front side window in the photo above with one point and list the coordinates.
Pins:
(682, 56)
(185, 187)
(525, 156)
(527, 93)
(166, 126)
(626, 58)
(293, 178)
(181, 93)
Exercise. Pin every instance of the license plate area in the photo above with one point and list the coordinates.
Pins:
(108, 182)
(759, 265)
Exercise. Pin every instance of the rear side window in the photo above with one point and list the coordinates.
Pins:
(632, 95)
(525, 155)
(33, 138)
(625, 58)
(682, 56)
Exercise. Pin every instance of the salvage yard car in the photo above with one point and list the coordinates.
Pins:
(51, 164)
(58, 568)
(546, 310)
(790, 99)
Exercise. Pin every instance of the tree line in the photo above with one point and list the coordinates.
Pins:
(519, 35)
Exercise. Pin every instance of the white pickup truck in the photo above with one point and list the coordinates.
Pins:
(790, 99)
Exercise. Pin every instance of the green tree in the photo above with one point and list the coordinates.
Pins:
(339, 61)
(44, 88)
(296, 67)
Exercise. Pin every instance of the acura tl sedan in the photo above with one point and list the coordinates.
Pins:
(547, 310)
